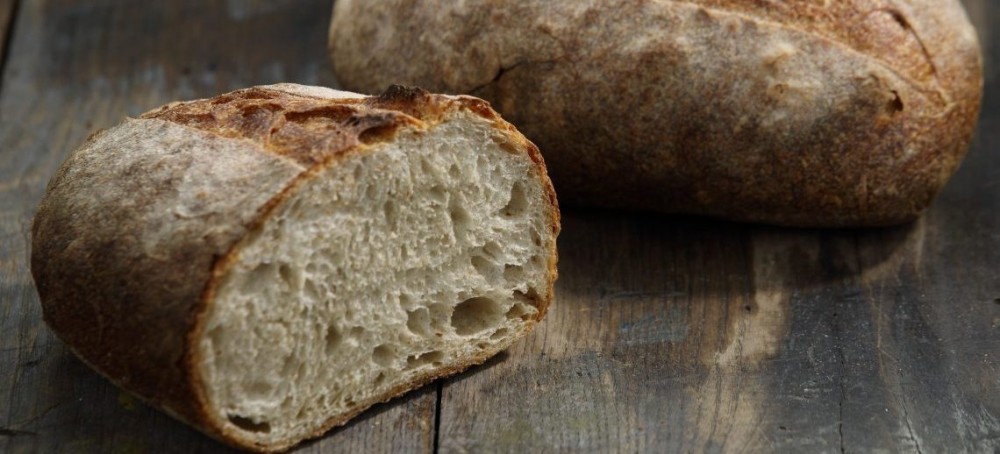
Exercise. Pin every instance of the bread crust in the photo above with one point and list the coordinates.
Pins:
(846, 113)
(139, 224)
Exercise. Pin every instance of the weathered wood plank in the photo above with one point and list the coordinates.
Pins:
(673, 334)
(75, 67)
(669, 334)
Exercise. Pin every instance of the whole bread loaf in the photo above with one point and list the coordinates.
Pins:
(799, 112)
(268, 263)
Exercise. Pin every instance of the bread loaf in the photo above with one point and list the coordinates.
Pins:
(266, 264)
(804, 113)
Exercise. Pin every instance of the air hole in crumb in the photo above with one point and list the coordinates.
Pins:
(249, 425)
(384, 355)
(476, 315)
(513, 273)
(492, 250)
(499, 334)
(536, 238)
(290, 367)
(481, 346)
(333, 338)
(418, 321)
(287, 275)
(391, 214)
(260, 277)
(518, 203)
(379, 378)
(431, 357)
(530, 296)
(426, 166)
(215, 335)
(311, 290)
(405, 301)
(519, 310)
(454, 171)
(438, 194)
(258, 388)
(483, 267)
(460, 218)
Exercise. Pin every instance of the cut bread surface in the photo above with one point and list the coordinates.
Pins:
(401, 262)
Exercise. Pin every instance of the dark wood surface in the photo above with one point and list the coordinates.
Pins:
(669, 333)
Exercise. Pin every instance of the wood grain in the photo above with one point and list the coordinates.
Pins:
(669, 334)
(75, 67)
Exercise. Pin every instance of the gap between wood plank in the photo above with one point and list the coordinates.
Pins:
(437, 418)
(8, 36)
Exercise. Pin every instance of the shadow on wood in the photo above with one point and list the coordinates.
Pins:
(685, 334)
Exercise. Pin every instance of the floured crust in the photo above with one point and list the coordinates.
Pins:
(139, 224)
(806, 113)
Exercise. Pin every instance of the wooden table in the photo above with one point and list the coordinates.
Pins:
(669, 333)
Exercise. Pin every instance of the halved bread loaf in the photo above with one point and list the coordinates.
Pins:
(266, 264)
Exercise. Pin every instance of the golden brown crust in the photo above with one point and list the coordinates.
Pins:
(124, 239)
(807, 113)
(139, 223)
(302, 129)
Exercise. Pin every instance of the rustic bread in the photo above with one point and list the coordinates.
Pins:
(806, 113)
(266, 264)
